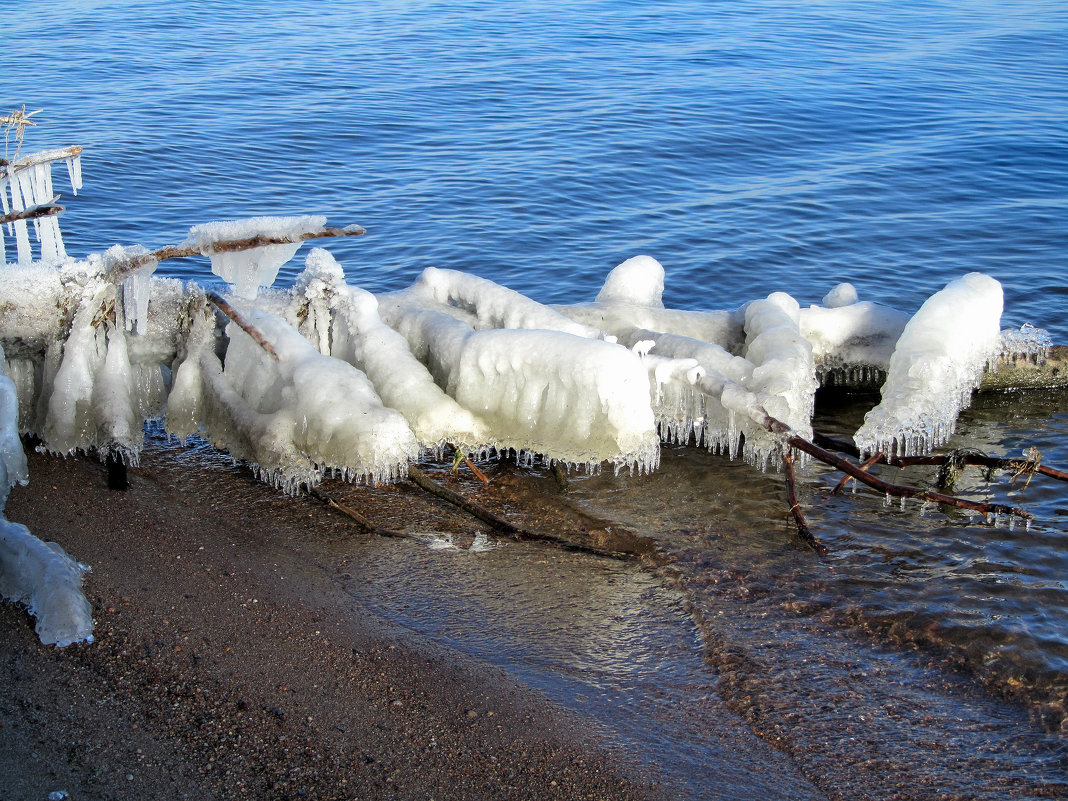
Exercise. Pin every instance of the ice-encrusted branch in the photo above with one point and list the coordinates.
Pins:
(121, 271)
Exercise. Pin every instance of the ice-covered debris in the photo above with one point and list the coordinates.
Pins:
(48, 582)
(692, 405)
(639, 280)
(37, 574)
(576, 400)
(784, 374)
(403, 382)
(570, 398)
(851, 340)
(1025, 342)
(493, 305)
(248, 270)
(298, 415)
(938, 361)
(315, 291)
(631, 298)
(27, 182)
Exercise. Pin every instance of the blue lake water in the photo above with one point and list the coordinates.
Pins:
(749, 147)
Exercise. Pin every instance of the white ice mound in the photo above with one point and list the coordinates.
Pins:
(248, 270)
(938, 361)
(631, 298)
(568, 398)
(492, 305)
(784, 374)
(297, 415)
(576, 400)
(12, 458)
(37, 574)
(852, 340)
(638, 280)
(48, 582)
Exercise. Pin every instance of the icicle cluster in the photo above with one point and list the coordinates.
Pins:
(26, 183)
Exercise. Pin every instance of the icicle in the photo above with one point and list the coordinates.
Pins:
(22, 236)
(74, 171)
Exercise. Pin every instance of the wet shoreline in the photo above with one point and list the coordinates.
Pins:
(712, 675)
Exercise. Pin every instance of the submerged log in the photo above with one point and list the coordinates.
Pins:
(1029, 373)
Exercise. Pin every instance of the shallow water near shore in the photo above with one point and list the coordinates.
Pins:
(922, 656)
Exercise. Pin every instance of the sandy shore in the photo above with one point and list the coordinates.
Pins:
(226, 666)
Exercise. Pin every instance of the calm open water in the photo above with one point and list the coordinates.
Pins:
(750, 147)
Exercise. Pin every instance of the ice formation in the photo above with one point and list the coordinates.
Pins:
(938, 361)
(26, 183)
(295, 415)
(248, 270)
(328, 378)
(566, 396)
(37, 574)
(852, 340)
(360, 337)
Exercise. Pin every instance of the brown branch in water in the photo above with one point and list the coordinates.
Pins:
(981, 460)
(898, 490)
(222, 305)
(637, 549)
(33, 212)
(360, 520)
(976, 459)
(803, 531)
(864, 466)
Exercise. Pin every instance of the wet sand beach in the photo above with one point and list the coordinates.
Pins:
(228, 664)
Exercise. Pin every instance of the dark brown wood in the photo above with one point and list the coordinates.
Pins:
(239, 319)
(32, 213)
(803, 531)
(864, 466)
(901, 491)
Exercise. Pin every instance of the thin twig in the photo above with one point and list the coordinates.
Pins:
(864, 466)
(244, 324)
(360, 520)
(803, 531)
(32, 213)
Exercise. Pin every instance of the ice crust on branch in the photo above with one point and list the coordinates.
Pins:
(297, 416)
(27, 182)
(248, 270)
(937, 362)
(360, 337)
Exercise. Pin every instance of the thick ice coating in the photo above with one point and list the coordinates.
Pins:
(41, 576)
(298, 415)
(938, 361)
(359, 337)
(569, 398)
(27, 182)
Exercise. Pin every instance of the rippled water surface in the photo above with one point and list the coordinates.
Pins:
(750, 148)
